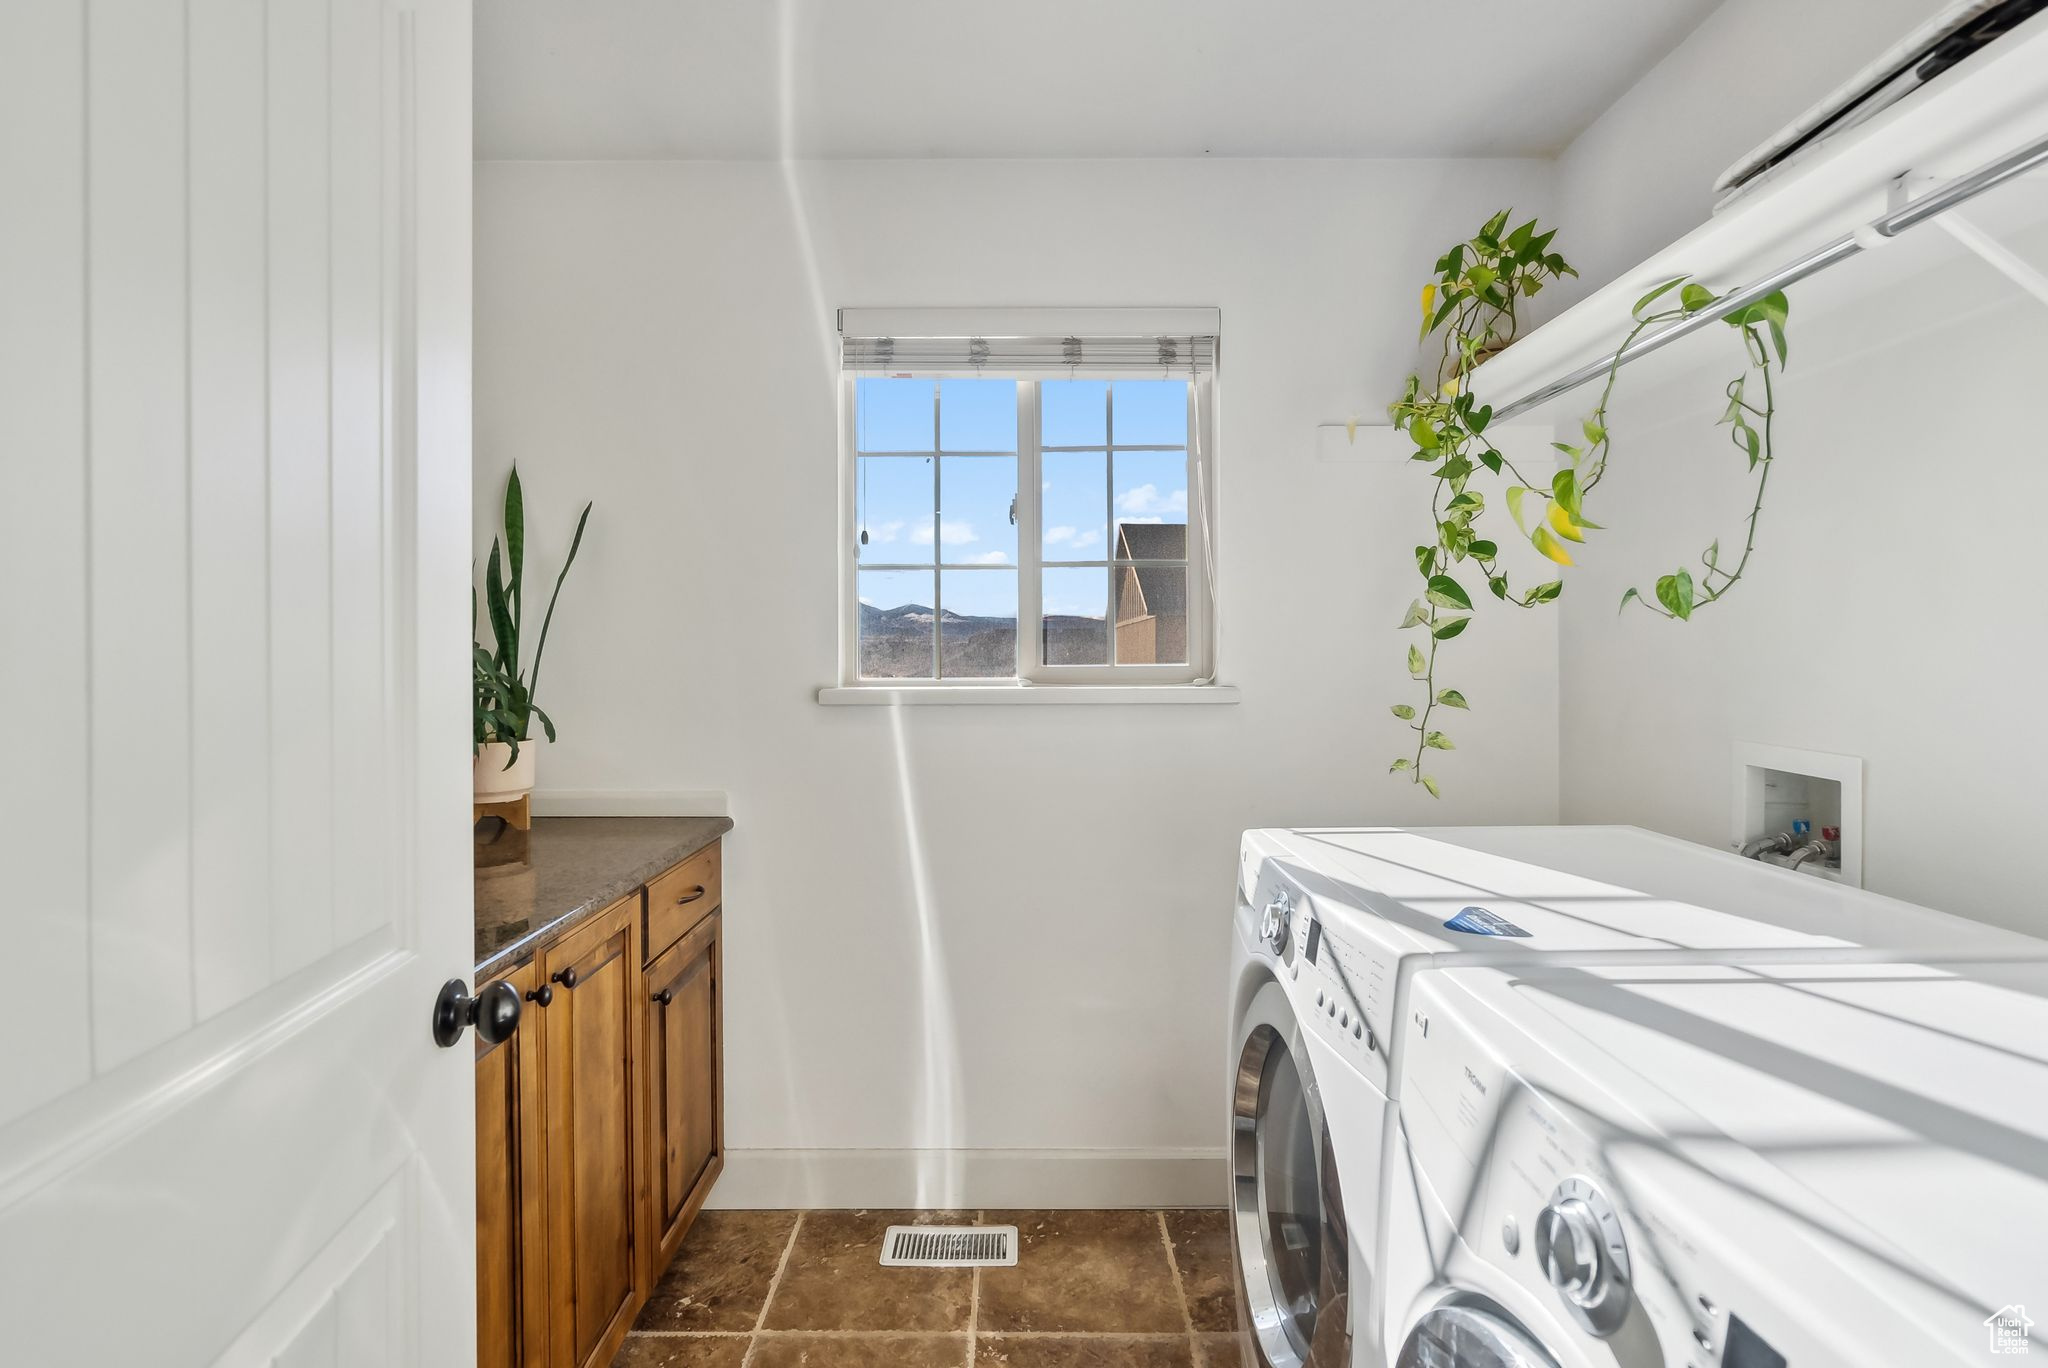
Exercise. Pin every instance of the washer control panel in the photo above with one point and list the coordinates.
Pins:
(1340, 992)
(1341, 984)
(1561, 1195)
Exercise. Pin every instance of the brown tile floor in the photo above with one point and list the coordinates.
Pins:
(1092, 1289)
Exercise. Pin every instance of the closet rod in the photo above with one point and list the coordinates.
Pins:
(1936, 201)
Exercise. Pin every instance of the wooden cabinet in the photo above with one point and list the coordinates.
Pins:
(596, 1246)
(511, 1290)
(600, 1123)
(685, 1109)
(679, 899)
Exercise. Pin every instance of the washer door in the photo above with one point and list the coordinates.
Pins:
(1470, 1337)
(1288, 1208)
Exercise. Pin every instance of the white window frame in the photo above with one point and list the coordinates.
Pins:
(1031, 667)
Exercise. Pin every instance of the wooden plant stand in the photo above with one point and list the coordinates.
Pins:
(517, 812)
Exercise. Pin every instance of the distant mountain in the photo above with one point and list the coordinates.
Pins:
(915, 619)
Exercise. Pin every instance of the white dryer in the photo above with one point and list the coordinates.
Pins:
(1720, 1166)
(1331, 928)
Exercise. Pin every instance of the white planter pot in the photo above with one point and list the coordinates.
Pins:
(497, 784)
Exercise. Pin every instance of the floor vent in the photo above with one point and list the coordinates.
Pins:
(950, 1247)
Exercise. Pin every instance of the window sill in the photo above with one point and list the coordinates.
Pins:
(1025, 695)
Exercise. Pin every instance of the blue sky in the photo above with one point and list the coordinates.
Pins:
(896, 494)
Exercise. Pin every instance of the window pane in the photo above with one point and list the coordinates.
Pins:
(1073, 413)
(1073, 503)
(975, 526)
(1073, 609)
(1151, 615)
(896, 624)
(894, 415)
(978, 629)
(894, 507)
(978, 415)
(1152, 413)
(1151, 493)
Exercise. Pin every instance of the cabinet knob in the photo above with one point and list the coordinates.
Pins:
(541, 996)
(665, 996)
(565, 977)
(494, 1012)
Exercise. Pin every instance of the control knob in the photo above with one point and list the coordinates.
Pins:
(1580, 1248)
(1277, 921)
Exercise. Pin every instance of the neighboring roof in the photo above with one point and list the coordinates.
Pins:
(1165, 588)
(1151, 541)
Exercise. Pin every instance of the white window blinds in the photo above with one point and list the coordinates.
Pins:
(1029, 342)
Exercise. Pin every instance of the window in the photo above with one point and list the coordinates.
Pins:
(1068, 503)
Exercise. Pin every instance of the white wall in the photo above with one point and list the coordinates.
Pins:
(1643, 174)
(1890, 611)
(987, 929)
(1884, 616)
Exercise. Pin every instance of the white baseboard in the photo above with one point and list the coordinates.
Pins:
(972, 1179)
(629, 803)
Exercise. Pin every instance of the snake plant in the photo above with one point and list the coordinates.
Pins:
(505, 706)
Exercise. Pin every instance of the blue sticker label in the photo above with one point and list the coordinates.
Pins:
(1477, 921)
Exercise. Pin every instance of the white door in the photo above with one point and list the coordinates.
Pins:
(234, 526)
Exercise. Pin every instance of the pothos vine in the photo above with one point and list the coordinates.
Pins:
(1473, 303)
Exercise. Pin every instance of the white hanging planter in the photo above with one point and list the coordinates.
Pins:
(494, 781)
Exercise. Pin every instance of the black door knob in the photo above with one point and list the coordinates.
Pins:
(542, 995)
(665, 996)
(566, 977)
(494, 1012)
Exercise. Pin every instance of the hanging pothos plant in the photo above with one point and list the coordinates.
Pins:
(1472, 304)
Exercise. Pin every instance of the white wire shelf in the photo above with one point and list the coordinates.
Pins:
(1990, 112)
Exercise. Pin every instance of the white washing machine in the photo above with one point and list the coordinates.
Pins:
(1720, 1166)
(1331, 928)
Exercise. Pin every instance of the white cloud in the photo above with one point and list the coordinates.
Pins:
(1154, 518)
(1146, 498)
(951, 533)
(886, 532)
(1071, 537)
(986, 558)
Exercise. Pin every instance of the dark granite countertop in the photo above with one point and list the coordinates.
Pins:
(533, 884)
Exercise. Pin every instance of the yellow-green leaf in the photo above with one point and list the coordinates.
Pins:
(1430, 784)
(1451, 698)
(1551, 547)
(1561, 523)
(1403, 711)
(1416, 664)
(1399, 765)
(1514, 498)
(1416, 613)
(1674, 591)
(1438, 741)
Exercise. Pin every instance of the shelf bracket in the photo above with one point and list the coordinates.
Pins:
(1979, 243)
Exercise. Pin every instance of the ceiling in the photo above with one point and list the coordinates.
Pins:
(750, 79)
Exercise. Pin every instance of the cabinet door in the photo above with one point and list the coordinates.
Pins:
(511, 1286)
(596, 1246)
(685, 1086)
